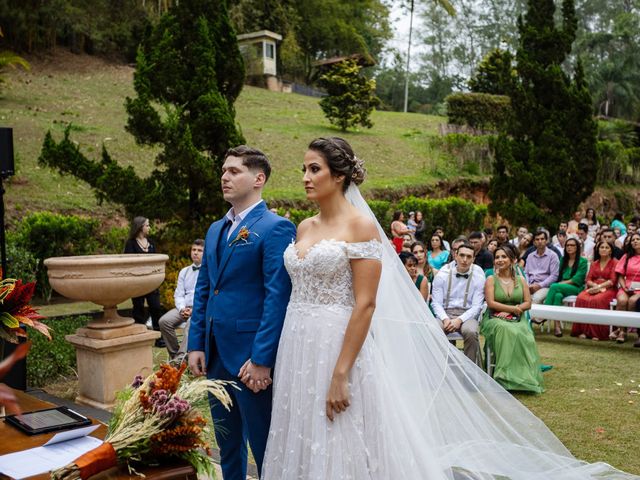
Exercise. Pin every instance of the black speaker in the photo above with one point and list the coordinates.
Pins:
(6, 152)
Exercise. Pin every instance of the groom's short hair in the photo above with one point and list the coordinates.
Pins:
(252, 158)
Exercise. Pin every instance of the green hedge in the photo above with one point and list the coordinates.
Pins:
(47, 361)
(455, 215)
(479, 110)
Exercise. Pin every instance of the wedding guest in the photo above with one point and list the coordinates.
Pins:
(482, 257)
(632, 227)
(520, 234)
(139, 243)
(440, 231)
(419, 251)
(587, 242)
(628, 271)
(398, 230)
(505, 327)
(492, 245)
(541, 268)
(457, 296)
(572, 226)
(523, 247)
(573, 270)
(561, 228)
(488, 234)
(533, 247)
(411, 223)
(420, 226)
(410, 263)
(618, 222)
(502, 234)
(609, 236)
(437, 256)
(560, 239)
(601, 288)
(592, 222)
(183, 301)
(454, 246)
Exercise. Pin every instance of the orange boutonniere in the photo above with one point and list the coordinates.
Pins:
(243, 236)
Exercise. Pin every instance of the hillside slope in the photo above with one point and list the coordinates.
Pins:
(90, 93)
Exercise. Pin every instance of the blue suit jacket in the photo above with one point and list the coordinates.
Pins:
(240, 302)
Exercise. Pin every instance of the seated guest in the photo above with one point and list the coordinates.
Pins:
(561, 228)
(560, 238)
(183, 301)
(482, 256)
(492, 245)
(587, 242)
(502, 234)
(572, 225)
(454, 246)
(525, 244)
(506, 329)
(632, 227)
(410, 262)
(541, 268)
(420, 252)
(618, 222)
(591, 221)
(457, 296)
(608, 235)
(522, 231)
(437, 256)
(440, 231)
(628, 271)
(533, 248)
(488, 234)
(398, 230)
(601, 288)
(573, 270)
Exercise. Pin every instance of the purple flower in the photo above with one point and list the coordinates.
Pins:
(137, 381)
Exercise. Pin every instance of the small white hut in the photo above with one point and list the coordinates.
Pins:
(259, 51)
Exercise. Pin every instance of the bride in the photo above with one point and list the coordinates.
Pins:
(366, 385)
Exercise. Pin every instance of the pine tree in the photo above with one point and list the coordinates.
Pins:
(189, 72)
(546, 162)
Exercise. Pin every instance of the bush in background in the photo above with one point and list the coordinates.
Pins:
(21, 263)
(49, 360)
(479, 110)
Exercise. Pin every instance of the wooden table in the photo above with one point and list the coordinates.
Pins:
(13, 440)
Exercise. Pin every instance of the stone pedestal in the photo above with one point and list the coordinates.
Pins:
(109, 359)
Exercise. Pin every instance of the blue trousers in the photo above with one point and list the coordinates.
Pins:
(248, 420)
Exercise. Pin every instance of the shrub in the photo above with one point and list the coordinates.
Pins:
(46, 234)
(113, 240)
(382, 210)
(296, 215)
(479, 110)
(614, 162)
(454, 214)
(472, 153)
(49, 360)
(21, 263)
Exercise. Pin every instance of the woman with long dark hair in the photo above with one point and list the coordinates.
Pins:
(505, 327)
(139, 242)
(573, 270)
(628, 270)
(601, 288)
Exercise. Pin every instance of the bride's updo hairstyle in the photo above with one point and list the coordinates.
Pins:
(341, 160)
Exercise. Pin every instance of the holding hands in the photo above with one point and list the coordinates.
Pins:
(255, 377)
(185, 313)
(451, 325)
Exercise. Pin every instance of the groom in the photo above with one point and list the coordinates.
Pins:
(239, 306)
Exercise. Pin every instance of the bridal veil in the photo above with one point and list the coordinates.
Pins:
(477, 429)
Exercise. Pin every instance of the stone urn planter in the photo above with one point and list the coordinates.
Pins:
(110, 350)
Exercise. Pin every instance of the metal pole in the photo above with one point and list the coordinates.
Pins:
(406, 75)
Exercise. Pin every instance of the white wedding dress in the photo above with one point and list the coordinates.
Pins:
(419, 408)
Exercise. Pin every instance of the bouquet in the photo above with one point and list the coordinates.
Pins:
(154, 419)
(15, 310)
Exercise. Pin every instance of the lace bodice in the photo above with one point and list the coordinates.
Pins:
(323, 276)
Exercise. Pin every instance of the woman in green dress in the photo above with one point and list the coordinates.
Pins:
(505, 327)
(573, 270)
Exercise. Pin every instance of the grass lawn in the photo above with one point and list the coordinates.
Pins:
(90, 94)
(587, 402)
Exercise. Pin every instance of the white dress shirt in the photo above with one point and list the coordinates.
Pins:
(475, 293)
(237, 219)
(183, 294)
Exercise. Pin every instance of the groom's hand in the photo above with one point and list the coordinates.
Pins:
(197, 363)
(255, 377)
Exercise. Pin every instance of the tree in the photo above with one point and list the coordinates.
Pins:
(10, 59)
(495, 74)
(350, 96)
(189, 72)
(546, 161)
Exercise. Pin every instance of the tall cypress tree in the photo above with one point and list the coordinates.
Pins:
(189, 72)
(546, 162)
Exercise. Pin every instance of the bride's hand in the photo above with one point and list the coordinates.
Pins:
(338, 397)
